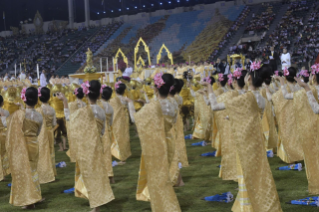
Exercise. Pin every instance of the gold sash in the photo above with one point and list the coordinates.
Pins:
(226, 147)
(4, 161)
(73, 106)
(23, 155)
(45, 165)
(307, 125)
(289, 145)
(90, 158)
(121, 147)
(258, 187)
(154, 182)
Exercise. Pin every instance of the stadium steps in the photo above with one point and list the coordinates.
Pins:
(239, 33)
(275, 23)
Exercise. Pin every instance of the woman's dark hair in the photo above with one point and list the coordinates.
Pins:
(292, 74)
(169, 81)
(107, 93)
(182, 85)
(241, 80)
(223, 83)
(177, 86)
(305, 79)
(1, 100)
(94, 88)
(121, 89)
(80, 94)
(260, 75)
(31, 95)
(45, 95)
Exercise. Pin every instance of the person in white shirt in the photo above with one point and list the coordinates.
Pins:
(43, 79)
(128, 71)
(22, 76)
(285, 59)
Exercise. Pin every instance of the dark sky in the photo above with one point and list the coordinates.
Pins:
(20, 10)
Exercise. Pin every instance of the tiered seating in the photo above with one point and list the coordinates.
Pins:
(55, 48)
(74, 63)
(262, 20)
(226, 39)
(306, 46)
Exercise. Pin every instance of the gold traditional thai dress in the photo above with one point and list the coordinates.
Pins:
(257, 189)
(154, 122)
(73, 106)
(289, 145)
(203, 118)
(46, 163)
(307, 129)
(268, 123)
(225, 142)
(23, 153)
(121, 147)
(180, 139)
(91, 180)
(108, 134)
(4, 161)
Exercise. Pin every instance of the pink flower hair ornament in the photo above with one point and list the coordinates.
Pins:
(117, 84)
(85, 86)
(237, 73)
(76, 92)
(277, 73)
(158, 80)
(207, 79)
(220, 77)
(255, 66)
(102, 87)
(286, 72)
(39, 91)
(304, 73)
(315, 69)
(23, 94)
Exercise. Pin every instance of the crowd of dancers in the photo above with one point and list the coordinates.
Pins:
(242, 115)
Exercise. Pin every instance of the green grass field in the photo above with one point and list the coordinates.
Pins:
(201, 179)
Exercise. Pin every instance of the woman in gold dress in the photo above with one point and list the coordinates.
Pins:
(257, 189)
(106, 93)
(88, 124)
(23, 152)
(307, 122)
(123, 108)
(46, 163)
(289, 145)
(4, 161)
(73, 106)
(154, 123)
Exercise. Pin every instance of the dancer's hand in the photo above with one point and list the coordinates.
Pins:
(302, 84)
(281, 79)
(60, 96)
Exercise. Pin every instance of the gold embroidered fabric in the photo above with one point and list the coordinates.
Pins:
(228, 163)
(107, 141)
(4, 161)
(307, 123)
(90, 157)
(250, 148)
(289, 145)
(268, 124)
(45, 164)
(23, 156)
(180, 141)
(203, 122)
(121, 147)
(154, 182)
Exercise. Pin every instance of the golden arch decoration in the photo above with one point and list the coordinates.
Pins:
(122, 54)
(146, 49)
(169, 54)
(140, 61)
